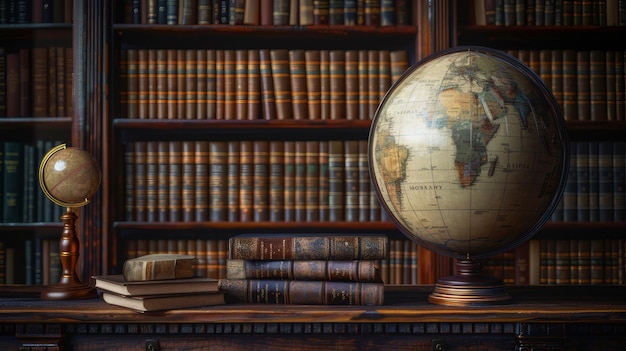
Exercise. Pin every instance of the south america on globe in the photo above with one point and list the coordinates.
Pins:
(468, 152)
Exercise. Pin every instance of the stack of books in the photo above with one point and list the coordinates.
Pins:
(159, 282)
(314, 269)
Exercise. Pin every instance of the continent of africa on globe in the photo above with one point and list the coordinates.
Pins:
(468, 152)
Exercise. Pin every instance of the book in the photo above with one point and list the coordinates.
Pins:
(164, 302)
(116, 283)
(302, 292)
(158, 266)
(323, 270)
(308, 247)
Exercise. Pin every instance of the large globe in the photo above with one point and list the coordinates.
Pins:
(69, 176)
(468, 152)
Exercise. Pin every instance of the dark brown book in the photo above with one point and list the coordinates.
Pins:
(272, 247)
(236, 12)
(282, 83)
(570, 94)
(220, 84)
(129, 182)
(181, 77)
(324, 181)
(158, 267)
(298, 80)
(201, 84)
(336, 178)
(201, 187)
(211, 84)
(152, 181)
(161, 92)
(128, 75)
(611, 79)
(25, 82)
(321, 10)
(218, 181)
(254, 86)
(583, 85)
(56, 79)
(562, 261)
(399, 61)
(325, 84)
(172, 84)
(335, 12)
(246, 181)
(373, 78)
(313, 83)
(363, 69)
(363, 179)
(252, 12)
(163, 188)
(597, 260)
(620, 86)
(260, 181)
(188, 181)
(205, 9)
(280, 12)
(118, 285)
(384, 73)
(152, 84)
(40, 82)
(276, 180)
(300, 181)
(306, 13)
(289, 183)
(337, 84)
(267, 12)
(597, 85)
(139, 182)
(352, 84)
(233, 181)
(350, 271)
(142, 83)
(302, 292)
(372, 13)
(175, 180)
(312, 180)
(268, 99)
(351, 180)
(230, 84)
(191, 88)
(241, 84)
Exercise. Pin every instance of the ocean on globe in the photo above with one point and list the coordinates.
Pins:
(68, 176)
(468, 152)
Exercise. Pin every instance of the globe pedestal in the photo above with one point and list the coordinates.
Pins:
(469, 288)
(69, 286)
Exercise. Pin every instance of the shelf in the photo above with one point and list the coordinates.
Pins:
(231, 36)
(31, 128)
(553, 37)
(45, 227)
(36, 34)
(154, 129)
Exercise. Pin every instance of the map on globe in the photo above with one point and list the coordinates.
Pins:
(467, 153)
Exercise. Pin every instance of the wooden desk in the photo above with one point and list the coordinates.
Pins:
(540, 318)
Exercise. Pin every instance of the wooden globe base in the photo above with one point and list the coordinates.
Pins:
(469, 288)
(69, 286)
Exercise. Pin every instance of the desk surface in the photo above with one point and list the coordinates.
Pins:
(602, 304)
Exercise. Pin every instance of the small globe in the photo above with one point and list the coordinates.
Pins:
(69, 176)
(468, 152)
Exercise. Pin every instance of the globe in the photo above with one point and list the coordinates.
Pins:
(69, 176)
(468, 155)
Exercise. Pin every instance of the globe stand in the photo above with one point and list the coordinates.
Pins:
(469, 287)
(69, 286)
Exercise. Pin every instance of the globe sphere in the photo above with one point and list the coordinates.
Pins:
(69, 176)
(468, 152)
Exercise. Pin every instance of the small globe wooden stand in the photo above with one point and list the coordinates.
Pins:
(469, 287)
(69, 286)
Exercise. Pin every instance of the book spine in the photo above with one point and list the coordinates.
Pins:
(175, 177)
(253, 100)
(352, 85)
(145, 270)
(308, 247)
(313, 83)
(268, 98)
(302, 292)
(241, 84)
(260, 178)
(276, 181)
(246, 181)
(218, 182)
(202, 180)
(297, 75)
(188, 182)
(282, 83)
(234, 180)
(356, 271)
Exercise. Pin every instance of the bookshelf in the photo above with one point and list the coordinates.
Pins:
(230, 120)
(559, 45)
(35, 114)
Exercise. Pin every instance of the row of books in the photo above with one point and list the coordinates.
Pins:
(243, 84)
(36, 82)
(22, 198)
(596, 183)
(212, 261)
(332, 269)
(588, 84)
(550, 12)
(260, 180)
(35, 11)
(267, 12)
(30, 261)
(157, 282)
(561, 261)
